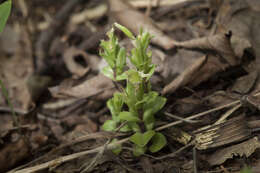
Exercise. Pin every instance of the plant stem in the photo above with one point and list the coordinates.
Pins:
(5, 94)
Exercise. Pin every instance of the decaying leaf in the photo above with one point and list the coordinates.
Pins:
(245, 84)
(13, 153)
(79, 62)
(243, 149)
(185, 77)
(122, 11)
(99, 86)
(219, 43)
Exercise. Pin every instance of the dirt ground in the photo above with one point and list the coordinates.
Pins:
(207, 56)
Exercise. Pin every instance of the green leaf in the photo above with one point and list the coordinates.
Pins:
(158, 142)
(125, 128)
(130, 98)
(121, 60)
(158, 104)
(134, 126)
(128, 116)
(108, 72)
(149, 119)
(115, 105)
(155, 102)
(5, 9)
(150, 73)
(109, 125)
(118, 147)
(145, 39)
(107, 53)
(133, 76)
(141, 139)
(118, 101)
(125, 31)
(122, 76)
(138, 151)
(111, 107)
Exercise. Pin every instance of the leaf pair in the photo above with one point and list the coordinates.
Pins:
(158, 141)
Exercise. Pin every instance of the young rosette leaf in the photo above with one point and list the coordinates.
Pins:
(125, 31)
(141, 139)
(155, 102)
(118, 147)
(128, 116)
(109, 125)
(158, 142)
(5, 9)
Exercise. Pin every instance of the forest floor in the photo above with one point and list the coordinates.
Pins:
(207, 56)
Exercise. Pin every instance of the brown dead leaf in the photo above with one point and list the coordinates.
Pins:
(79, 62)
(243, 149)
(13, 153)
(219, 43)
(99, 86)
(242, 18)
(126, 15)
(245, 84)
(213, 66)
(185, 77)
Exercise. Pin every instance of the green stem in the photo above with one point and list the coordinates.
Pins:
(5, 94)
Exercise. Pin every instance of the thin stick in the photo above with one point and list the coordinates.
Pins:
(63, 159)
(180, 118)
(198, 115)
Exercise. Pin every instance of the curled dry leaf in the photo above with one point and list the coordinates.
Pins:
(126, 15)
(243, 149)
(185, 77)
(212, 66)
(79, 62)
(219, 43)
(99, 86)
(242, 17)
(245, 84)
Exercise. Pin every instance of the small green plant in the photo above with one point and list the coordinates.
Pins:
(133, 109)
